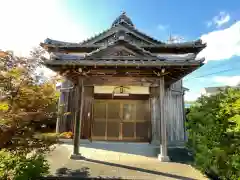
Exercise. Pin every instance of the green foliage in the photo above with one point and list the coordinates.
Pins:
(25, 104)
(49, 137)
(21, 167)
(214, 134)
(189, 102)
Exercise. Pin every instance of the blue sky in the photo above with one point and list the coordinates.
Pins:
(216, 22)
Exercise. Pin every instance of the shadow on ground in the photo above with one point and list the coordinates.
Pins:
(83, 173)
(137, 169)
(83, 169)
(69, 174)
(178, 155)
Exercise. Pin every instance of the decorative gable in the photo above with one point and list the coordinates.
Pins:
(112, 35)
(116, 51)
(120, 48)
(129, 36)
(121, 51)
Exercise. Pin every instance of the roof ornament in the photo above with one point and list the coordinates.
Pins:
(123, 18)
(120, 34)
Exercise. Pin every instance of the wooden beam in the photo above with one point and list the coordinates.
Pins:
(76, 122)
(116, 81)
(121, 63)
(81, 107)
(78, 118)
(163, 147)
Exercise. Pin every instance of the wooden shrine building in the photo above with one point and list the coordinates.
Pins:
(124, 85)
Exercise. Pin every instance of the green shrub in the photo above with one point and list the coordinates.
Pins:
(51, 138)
(22, 167)
(214, 134)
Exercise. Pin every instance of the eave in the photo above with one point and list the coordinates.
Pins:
(106, 72)
(123, 62)
(179, 48)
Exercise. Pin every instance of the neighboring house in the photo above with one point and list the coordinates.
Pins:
(208, 91)
(127, 86)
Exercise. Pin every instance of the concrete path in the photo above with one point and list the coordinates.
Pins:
(118, 165)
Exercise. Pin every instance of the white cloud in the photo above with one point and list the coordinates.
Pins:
(26, 23)
(191, 95)
(227, 80)
(222, 44)
(219, 20)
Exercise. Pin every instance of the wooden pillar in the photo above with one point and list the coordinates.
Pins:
(155, 118)
(163, 156)
(78, 119)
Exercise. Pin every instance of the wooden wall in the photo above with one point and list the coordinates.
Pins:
(155, 114)
(68, 99)
(174, 114)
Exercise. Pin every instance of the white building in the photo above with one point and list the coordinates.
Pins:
(208, 91)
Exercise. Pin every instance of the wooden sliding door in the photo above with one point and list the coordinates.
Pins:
(121, 120)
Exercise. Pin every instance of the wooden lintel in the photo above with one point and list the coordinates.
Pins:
(123, 77)
(116, 81)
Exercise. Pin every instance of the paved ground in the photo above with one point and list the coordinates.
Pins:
(118, 165)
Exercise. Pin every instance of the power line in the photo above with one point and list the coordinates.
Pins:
(226, 70)
(221, 64)
(214, 67)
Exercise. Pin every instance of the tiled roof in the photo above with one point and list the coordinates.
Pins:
(123, 18)
(123, 21)
(161, 57)
(121, 62)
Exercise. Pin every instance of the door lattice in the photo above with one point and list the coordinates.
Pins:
(126, 120)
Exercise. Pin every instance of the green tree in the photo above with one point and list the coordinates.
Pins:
(214, 134)
(24, 103)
